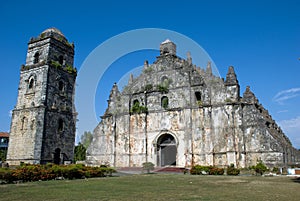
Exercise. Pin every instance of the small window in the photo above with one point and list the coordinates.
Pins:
(61, 60)
(36, 58)
(60, 125)
(136, 102)
(165, 102)
(32, 125)
(137, 108)
(23, 123)
(31, 83)
(198, 96)
(61, 86)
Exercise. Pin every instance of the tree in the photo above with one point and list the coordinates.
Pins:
(80, 152)
(3, 155)
(86, 139)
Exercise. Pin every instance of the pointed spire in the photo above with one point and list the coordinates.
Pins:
(114, 91)
(208, 69)
(249, 97)
(146, 63)
(189, 58)
(231, 77)
(130, 79)
(113, 100)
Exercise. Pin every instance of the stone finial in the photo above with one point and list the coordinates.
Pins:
(189, 58)
(146, 63)
(208, 69)
(114, 91)
(249, 97)
(130, 79)
(231, 77)
(112, 101)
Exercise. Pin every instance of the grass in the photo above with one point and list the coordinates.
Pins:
(157, 187)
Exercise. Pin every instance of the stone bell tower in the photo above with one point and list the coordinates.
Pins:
(43, 120)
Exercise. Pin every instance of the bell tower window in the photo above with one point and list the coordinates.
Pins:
(61, 86)
(165, 102)
(60, 125)
(61, 60)
(36, 58)
(198, 95)
(31, 83)
(23, 123)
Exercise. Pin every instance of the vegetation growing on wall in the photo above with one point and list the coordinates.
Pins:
(138, 109)
(67, 68)
(162, 89)
(148, 69)
(148, 87)
(70, 69)
(56, 64)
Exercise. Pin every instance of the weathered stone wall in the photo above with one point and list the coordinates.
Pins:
(43, 120)
(205, 115)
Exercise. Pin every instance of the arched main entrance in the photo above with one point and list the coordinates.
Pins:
(166, 150)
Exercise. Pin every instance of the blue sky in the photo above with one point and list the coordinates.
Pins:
(261, 39)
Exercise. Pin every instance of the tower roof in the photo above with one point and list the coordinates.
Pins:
(54, 33)
(167, 41)
(54, 30)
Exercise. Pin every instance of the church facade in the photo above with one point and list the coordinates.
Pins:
(43, 120)
(176, 114)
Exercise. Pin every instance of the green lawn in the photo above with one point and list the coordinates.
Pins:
(158, 187)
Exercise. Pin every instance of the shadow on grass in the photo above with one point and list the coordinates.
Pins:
(296, 180)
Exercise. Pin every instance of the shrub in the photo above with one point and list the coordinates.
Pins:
(5, 175)
(216, 171)
(51, 171)
(259, 168)
(231, 170)
(276, 170)
(148, 166)
(199, 170)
